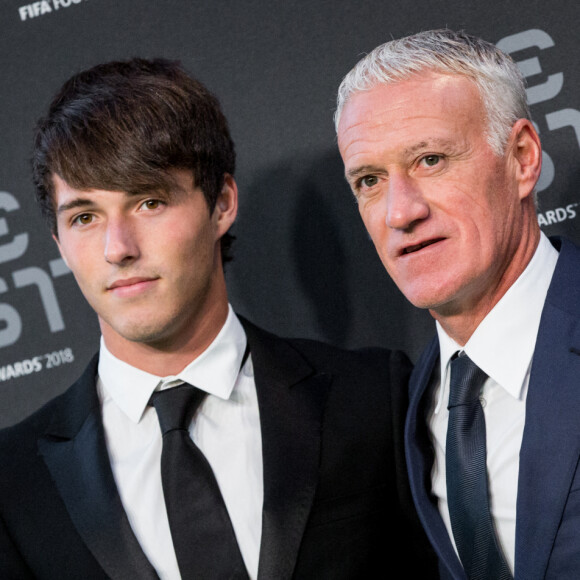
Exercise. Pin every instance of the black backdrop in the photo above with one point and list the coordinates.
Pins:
(304, 265)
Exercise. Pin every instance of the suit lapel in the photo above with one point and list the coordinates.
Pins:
(291, 398)
(419, 453)
(550, 446)
(75, 453)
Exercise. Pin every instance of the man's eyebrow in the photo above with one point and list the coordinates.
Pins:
(79, 202)
(361, 170)
(447, 145)
(427, 144)
(167, 190)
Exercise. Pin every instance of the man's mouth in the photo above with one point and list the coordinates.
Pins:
(420, 246)
(128, 282)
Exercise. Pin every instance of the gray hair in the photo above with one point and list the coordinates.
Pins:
(501, 85)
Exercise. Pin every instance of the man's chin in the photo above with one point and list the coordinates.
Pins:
(434, 302)
(143, 331)
(418, 296)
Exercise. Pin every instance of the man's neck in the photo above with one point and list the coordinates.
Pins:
(461, 321)
(166, 358)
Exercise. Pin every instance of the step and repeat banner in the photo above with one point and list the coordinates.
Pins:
(304, 265)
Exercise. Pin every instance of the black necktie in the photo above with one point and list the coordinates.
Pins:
(201, 529)
(467, 492)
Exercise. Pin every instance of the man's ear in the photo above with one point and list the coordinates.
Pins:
(55, 238)
(527, 153)
(226, 208)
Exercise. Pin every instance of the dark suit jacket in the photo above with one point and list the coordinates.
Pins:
(336, 499)
(548, 502)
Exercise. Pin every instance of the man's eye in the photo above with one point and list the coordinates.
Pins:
(369, 181)
(431, 160)
(84, 219)
(151, 204)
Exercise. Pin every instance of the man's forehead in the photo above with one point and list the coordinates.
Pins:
(421, 86)
(428, 96)
(171, 182)
(64, 191)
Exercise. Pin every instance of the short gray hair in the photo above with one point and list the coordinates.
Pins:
(500, 83)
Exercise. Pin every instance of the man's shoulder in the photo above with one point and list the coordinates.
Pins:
(325, 357)
(19, 454)
(30, 427)
(349, 360)
(20, 439)
(569, 252)
(564, 291)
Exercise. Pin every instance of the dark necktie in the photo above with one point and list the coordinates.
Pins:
(201, 529)
(467, 492)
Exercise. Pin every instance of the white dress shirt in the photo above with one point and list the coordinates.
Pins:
(502, 346)
(226, 429)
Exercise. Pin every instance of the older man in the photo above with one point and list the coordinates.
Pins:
(443, 158)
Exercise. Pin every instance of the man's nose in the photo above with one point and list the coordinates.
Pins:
(405, 202)
(121, 242)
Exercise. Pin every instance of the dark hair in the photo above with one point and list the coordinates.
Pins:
(122, 126)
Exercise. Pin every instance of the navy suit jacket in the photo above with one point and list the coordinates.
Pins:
(335, 484)
(548, 499)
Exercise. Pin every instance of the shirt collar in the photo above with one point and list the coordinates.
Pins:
(503, 343)
(214, 371)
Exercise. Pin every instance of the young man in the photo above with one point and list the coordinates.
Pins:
(440, 151)
(294, 466)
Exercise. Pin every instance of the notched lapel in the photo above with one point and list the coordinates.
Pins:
(291, 397)
(419, 454)
(551, 446)
(75, 453)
